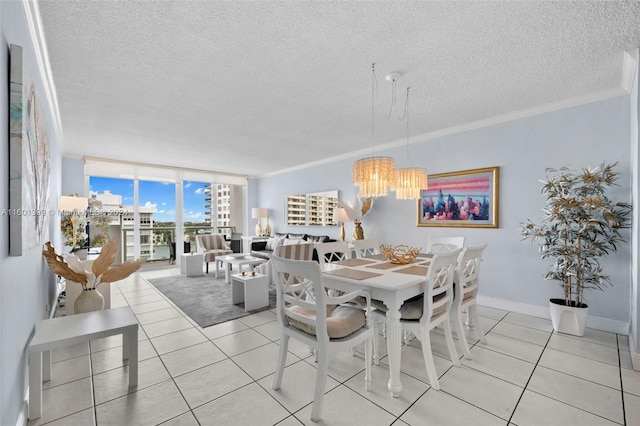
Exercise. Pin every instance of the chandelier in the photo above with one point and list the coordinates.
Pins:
(409, 181)
(374, 175)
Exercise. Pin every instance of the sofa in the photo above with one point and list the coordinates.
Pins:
(264, 249)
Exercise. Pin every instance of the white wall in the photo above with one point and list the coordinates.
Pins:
(26, 283)
(580, 136)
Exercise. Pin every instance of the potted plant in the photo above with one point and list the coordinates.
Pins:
(73, 228)
(580, 226)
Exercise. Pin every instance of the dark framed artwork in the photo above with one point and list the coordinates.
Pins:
(461, 199)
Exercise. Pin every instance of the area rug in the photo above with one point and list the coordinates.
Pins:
(205, 299)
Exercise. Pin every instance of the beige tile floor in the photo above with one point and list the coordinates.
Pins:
(221, 375)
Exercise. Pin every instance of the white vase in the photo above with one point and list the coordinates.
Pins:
(568, 319)
(89, 300)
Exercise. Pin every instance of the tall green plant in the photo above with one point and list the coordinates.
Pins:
(580, 225)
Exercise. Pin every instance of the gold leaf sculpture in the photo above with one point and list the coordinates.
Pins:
(72, 269)
(60, 267)
(366, 206)
(400, 254)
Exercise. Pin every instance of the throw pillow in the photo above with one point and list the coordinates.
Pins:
(273, 242)
(317, 238)
(290, 241)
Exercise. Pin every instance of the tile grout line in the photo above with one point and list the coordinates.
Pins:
(524, 389)
(624, 414)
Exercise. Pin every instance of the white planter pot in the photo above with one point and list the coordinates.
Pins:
(568, 319)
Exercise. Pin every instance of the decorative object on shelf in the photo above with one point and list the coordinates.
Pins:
(89, 300)
(409, 180)
(356, 213)
(74, 221)
(342, 217)
(267, 228)
(580, 225)
(400, 254)
(72, 269)
(373, 175)
(461, 199)
(258, 213)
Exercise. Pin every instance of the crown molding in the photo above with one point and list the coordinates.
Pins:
(487, 122)
(34, 22)
(629, 63)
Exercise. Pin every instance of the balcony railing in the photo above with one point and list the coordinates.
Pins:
(155, 243)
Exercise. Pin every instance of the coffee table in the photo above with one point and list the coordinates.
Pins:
(220, 261)
(249, 261)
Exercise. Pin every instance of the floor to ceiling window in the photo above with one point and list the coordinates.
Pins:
(156, 212)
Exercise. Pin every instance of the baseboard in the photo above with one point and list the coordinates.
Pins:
(597, 323)
(635, 356)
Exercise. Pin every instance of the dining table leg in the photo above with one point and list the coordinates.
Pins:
(394, 344)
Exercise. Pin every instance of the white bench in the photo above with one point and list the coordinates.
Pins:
(70, 330)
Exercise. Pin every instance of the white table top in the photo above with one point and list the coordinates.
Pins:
(247, 277)
(72, 329)
(245, 260)
(389, 279)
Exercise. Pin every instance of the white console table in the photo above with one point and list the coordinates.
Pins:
(247, 240)
(69, 330)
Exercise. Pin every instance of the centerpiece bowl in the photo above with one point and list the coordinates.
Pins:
(400, 254)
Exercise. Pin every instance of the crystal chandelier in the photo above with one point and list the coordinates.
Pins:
(374, 175)
(409, 181)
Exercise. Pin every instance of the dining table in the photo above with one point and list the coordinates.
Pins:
(390, 283)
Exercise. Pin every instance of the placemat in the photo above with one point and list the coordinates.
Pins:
(354, 262)
(385, 265)
(427, 255)
(354, 274)
(414, 270)
(377, 257)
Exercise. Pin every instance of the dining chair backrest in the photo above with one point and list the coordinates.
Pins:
(438, 295)
(466, 292)
(366, 247)
(444, 244)
(467, 273)
(299, 284)
(332, 252)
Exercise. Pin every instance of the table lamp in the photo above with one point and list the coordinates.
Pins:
(342, 217)
(258, 213)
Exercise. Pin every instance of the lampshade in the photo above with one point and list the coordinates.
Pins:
(409, 182)
(258, 213)
(374, 175)
(342, 216)
(69, 203)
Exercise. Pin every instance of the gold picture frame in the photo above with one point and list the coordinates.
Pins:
(468, 199)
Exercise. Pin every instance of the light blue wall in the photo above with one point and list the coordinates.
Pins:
(26, 284)
(581, 136)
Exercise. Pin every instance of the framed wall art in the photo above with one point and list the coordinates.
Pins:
(461, 199)
(28, 163)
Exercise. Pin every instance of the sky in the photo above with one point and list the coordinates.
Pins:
(158, 195)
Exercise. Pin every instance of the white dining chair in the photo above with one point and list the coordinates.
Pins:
(366, 247)
(422, 314)
(444, 244)
(335, 252)
(466, 292)
(332, 252)
(307, 313)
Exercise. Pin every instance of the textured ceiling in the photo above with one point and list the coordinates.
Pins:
(256, 87)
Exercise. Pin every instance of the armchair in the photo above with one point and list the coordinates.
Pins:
(212, 245)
